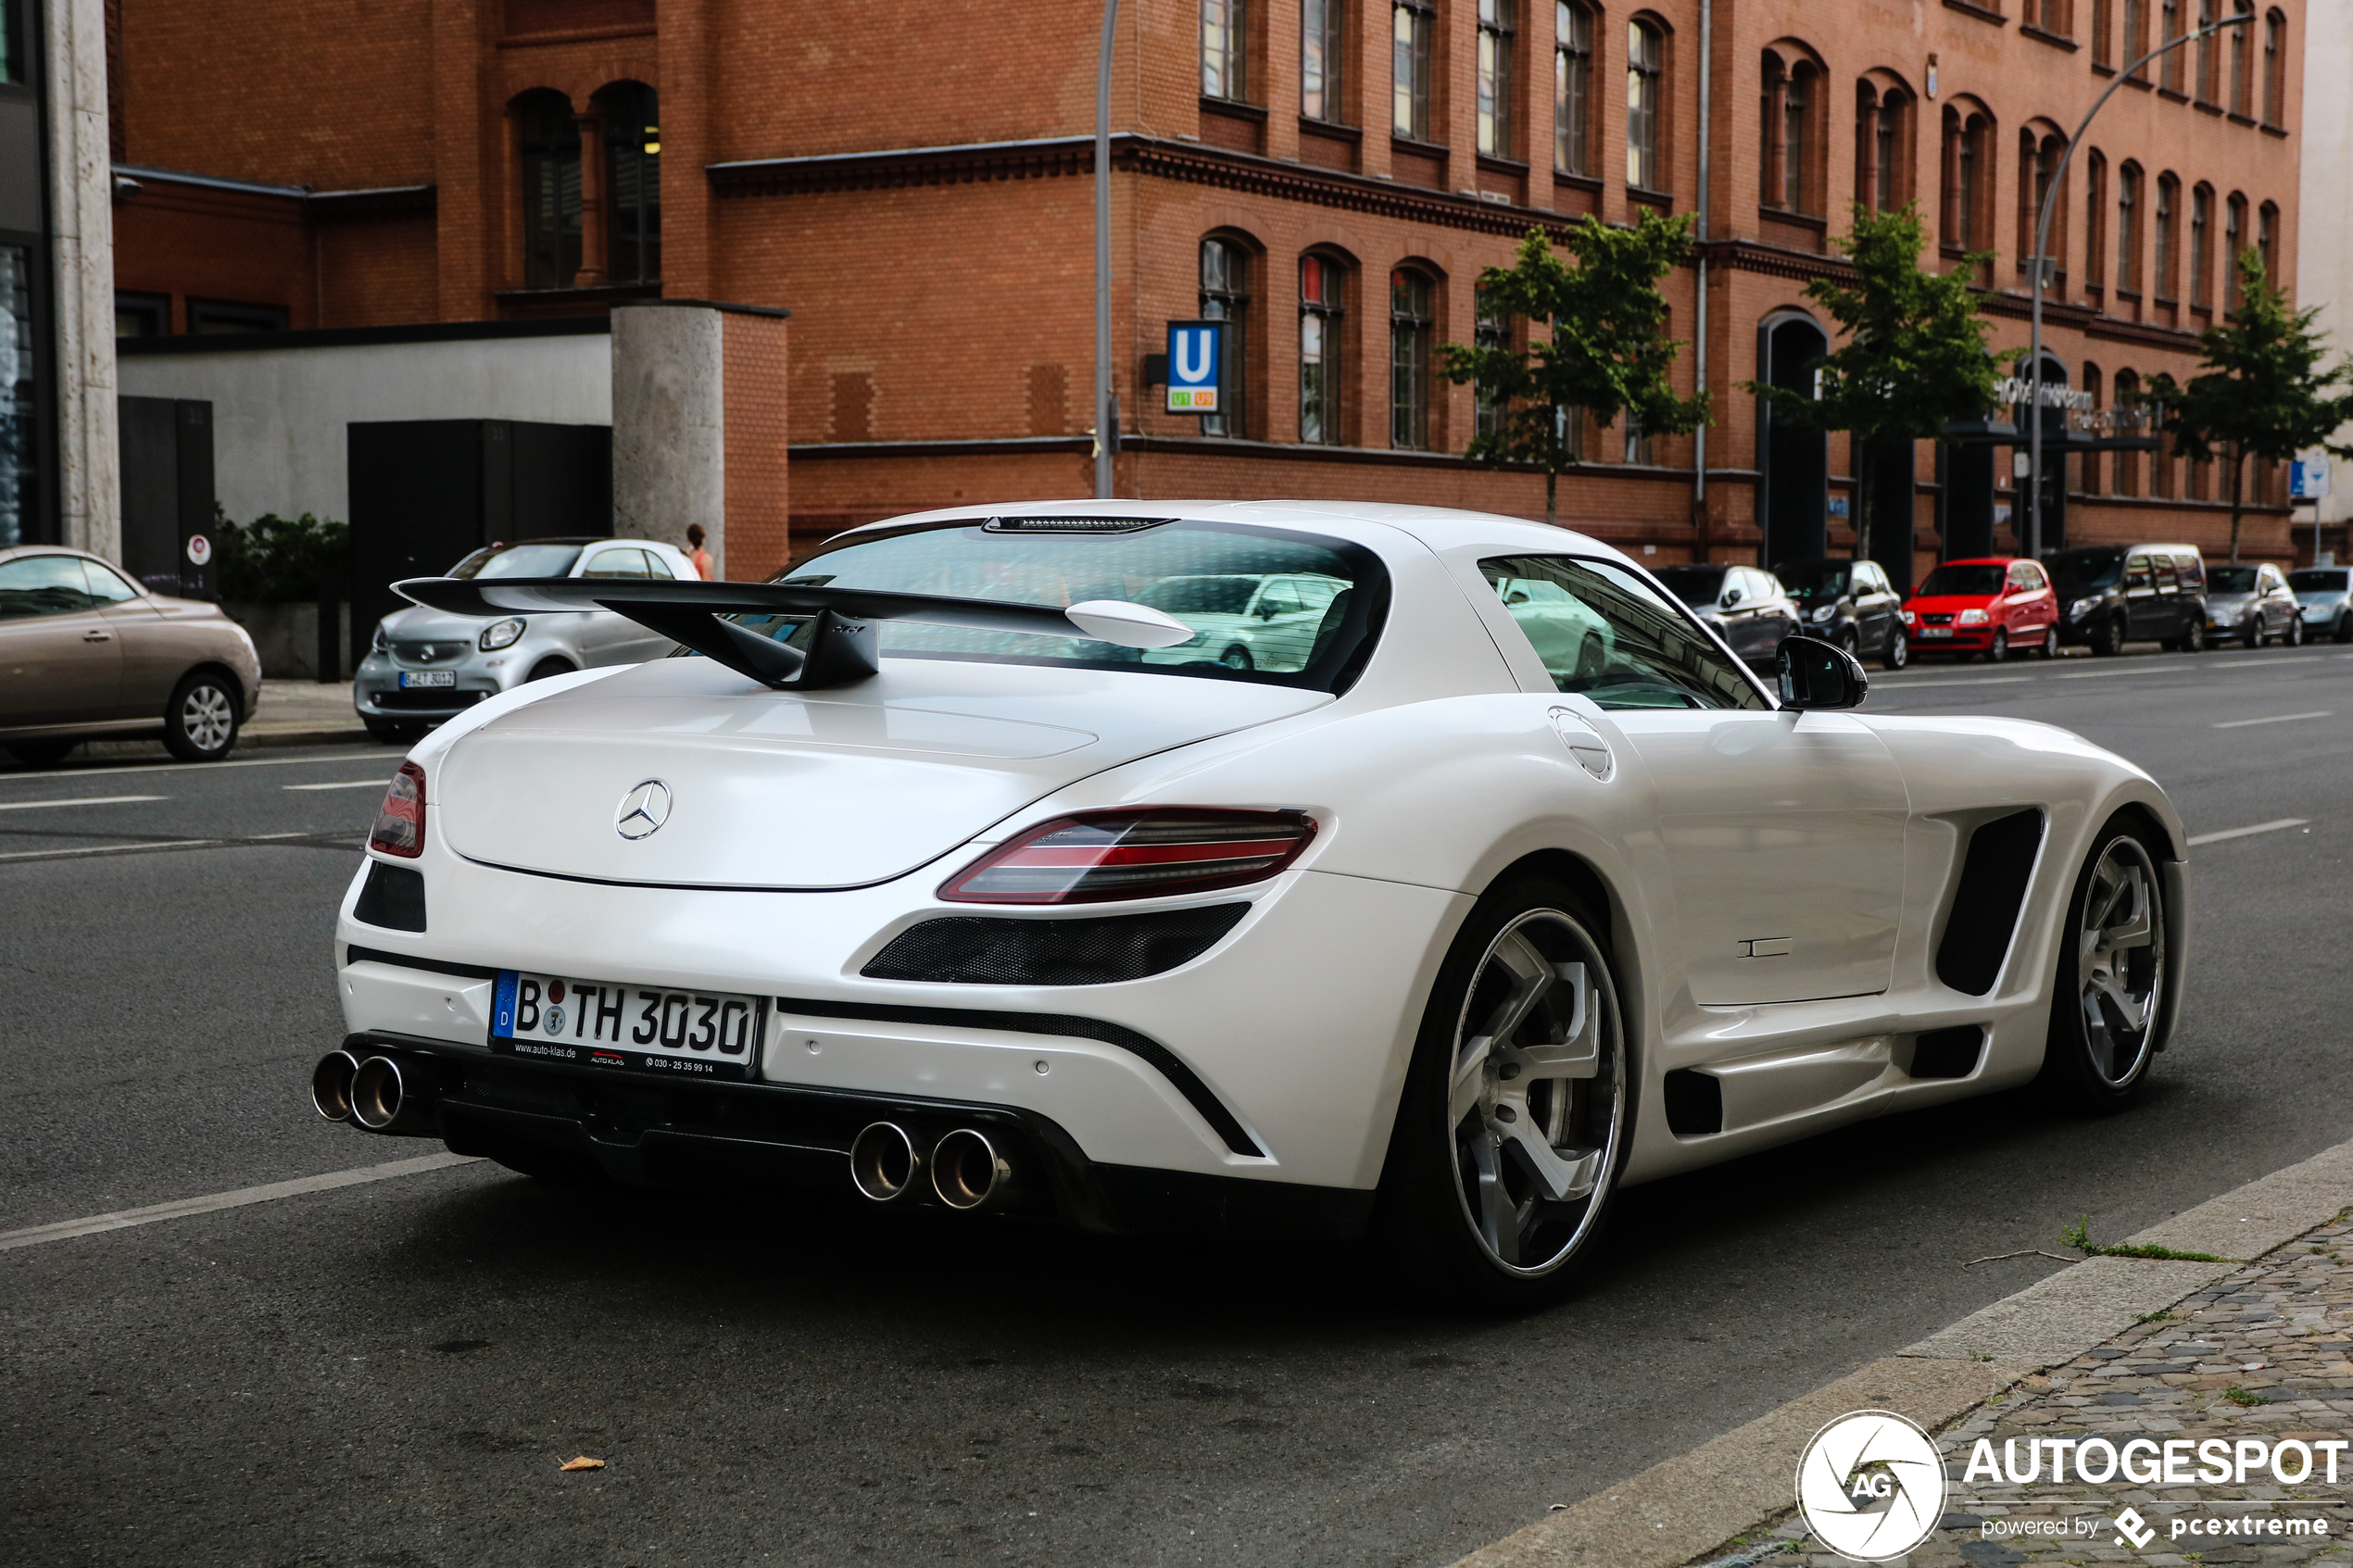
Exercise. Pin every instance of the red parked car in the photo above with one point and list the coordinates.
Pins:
(1995, 606)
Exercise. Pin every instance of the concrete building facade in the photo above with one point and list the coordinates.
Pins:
(1330, 175)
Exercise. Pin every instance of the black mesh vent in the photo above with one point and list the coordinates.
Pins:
(991, 951)
(1995, 875)
(393, 896)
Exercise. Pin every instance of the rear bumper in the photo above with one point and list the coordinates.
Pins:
(675, 1133)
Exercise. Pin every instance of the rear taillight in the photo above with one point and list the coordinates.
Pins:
(400, 825)
(1097, 856)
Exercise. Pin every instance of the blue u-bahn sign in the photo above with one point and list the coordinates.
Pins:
(1196, 365)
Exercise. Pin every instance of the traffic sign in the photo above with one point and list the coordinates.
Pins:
(2308, 479)
(1196, 365)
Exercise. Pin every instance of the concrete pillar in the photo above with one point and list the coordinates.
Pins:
(698, 429)
(82, 254)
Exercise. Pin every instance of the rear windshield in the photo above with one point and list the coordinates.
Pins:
(2077, 571)
(1807, 580)
(1693, 584)
(1963, 580)
(2318, 580)
(1266, 605)
(2233, 579)
(519, 560)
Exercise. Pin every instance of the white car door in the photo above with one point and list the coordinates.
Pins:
(1782, 832)
(605, 637)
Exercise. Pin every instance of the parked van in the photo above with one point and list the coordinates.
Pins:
(2113, 594)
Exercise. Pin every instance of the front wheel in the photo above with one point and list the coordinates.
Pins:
(1998, 651)
(2107, 638)
(1899, 649)
(200, 722)
(2293, 637)
(1517, 1107)
(2253, 636)
(2112, 976)
(2194, 639)
(1236, 658)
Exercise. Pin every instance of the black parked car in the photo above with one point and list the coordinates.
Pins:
(2109, 594)
(1850, 603)
(1748, 607)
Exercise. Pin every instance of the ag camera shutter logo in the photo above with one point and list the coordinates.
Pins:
(1870, 1485)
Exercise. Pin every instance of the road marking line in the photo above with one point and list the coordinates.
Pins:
(2242, 833)
(1957, 680)
(347, 784)
(85, 800)
(342, 758)
(2102, 674)
(2274, 719)
(124, 1219)
(2266, 663)
(108, 849)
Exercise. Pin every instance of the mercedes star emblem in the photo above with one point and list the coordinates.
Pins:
(643, 810)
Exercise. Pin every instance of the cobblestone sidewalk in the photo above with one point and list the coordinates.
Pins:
(2265, 1352)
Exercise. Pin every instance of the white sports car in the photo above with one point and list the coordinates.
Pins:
(916, 876)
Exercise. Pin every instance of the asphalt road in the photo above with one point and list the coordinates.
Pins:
(391, 1374)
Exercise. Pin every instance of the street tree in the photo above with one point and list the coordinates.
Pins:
(1914, 359)
(2261, 392)
(1603, 350)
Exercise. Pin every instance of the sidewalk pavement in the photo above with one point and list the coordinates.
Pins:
(302, 712)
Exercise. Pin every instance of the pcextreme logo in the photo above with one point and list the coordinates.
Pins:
(1870, 1485)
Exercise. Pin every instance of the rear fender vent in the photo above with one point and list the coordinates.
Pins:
(1948, 1053)
(1072, 524)
(1994, 873)
(994, 950)
(1694, 1103)
(393, 897)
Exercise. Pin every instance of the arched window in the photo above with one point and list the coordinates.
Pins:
(1882, 146)
(2266, 228)
(1645, 103)
(1225, 49)
(2169, 199)
(2202, 247)
(2128, 463)
(550, 138)
(1968, 215)
(1572, 87)
(2102, 45)
(1791, 114)
(2170, 17)
(2136, 35)
(2096, 218)
(1493, 71)
(1492, 330)
(1224, 296)
(633, 182)
(2038, 161)
(1322, 300)
(2128, 229)
(2209, 85)
(2241, 61)
(1412, 315)
(1413, 25)
(2274, 66)
(1322, 35)
(2233, 240)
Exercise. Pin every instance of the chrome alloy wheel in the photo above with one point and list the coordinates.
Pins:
(206, 716)
(1536, 1097)
(2121, 961)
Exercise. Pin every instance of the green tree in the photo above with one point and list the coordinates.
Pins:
(276, 560)
(2262, 393)
(1914, 359)
(1605, 352)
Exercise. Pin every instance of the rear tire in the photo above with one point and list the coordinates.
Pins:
(1899, 650)
(2109, 992)
(200, 722)
(2343, 626)
(2254, 635)
(1236, 658)
(41, 753)
(2048, 647)
(1518, 1089)
(2107, 637)
(2293, 636)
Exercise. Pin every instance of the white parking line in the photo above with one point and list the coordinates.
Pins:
(2244, 833)
(124, 1219)
(2154, 669)
(2267, 663)
(1957, 681)
(345, 784)
(85, 800)
(2273, 719)
(342, 758)
(107, 849)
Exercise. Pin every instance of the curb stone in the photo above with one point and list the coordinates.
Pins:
(1688, 1508)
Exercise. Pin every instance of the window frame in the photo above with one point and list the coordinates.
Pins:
(1322, 60)
(1228, 302)
(1496, 28)
(2128, 176)
(622, 103)
(1412, 69)
(1327, 313)
(2165, 218)
(2274, 68)
(1646, 107)
(548, 156)
(1640, 584)
(2202, 246)
(1224, 50)
(1410, 371)
(1573, 88)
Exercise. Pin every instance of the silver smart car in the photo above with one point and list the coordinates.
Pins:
(2326, 593)
(425, 666)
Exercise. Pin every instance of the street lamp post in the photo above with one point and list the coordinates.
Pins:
(1106, 406)
(2040, 263)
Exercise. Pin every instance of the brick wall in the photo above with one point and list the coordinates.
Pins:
(753, 403)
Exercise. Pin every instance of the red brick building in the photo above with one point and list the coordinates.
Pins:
(1331, 174)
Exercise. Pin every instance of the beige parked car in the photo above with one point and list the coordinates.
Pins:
(85, 653)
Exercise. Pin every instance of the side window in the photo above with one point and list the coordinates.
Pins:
(1604, 632)
(658, 567)
(2165, 580)
(44, 585)
(2193, 569)
(2137, 574)
(105, 586)
(2268, 580)
(617, 563)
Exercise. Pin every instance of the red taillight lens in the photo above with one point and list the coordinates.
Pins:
(1097, 856)
(400, 825)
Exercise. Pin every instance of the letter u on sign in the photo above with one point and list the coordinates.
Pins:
(1195, 350)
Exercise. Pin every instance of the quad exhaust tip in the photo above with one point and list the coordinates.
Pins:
(331, 1085)
(967, 1172)
(389, 1097)
(883, 1161)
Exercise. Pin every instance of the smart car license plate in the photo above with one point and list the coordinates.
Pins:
(648, 1028)
(1936, 631)
(411, 679)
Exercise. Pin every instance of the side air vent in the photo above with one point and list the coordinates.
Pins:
(1948, 1053)
(991, 951)
(1994, 873)
(1694, 1103)
(1072, 524)
(393, 897)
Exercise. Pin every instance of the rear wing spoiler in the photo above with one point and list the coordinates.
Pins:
(843, 641)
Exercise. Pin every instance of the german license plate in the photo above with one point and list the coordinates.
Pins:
(411, 679)
(646, 1028)
(1936, 631)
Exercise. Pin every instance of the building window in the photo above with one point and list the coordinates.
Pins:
(2274, 66)
(550, 190)
(2201, 247)
(2209, 84)
(1572, 87)
(2168, 197)
(215, 316)
(2051, 15)
(1494, 68)
(1225, 49)
(20, 377)
(2170, 15)
(1322, 27)
(142, 315)
(1410, 319)
(2267, 223)
(1645, 91)
(1320, 304)
(1224, 296)
(2095, 219)
(2136, 35)
(1965, 211)
(1412, 27)
(2233, 240)
(2103, 47)
(1787, 132)
(632, 183)
(2242, 56)
(1891, 166)
(1493, 330)
(2038, 159)
(2128, 229)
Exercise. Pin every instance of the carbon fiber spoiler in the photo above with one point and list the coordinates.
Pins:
(843, 645)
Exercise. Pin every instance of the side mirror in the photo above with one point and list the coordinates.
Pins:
(1732, 597)
(1819, 674)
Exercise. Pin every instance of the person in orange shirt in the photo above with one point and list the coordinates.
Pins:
(695, 551)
